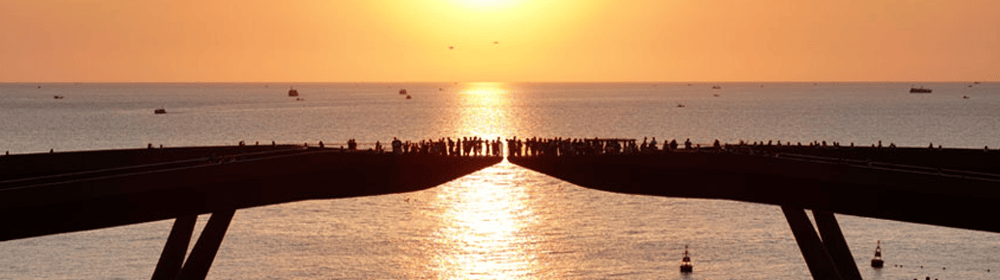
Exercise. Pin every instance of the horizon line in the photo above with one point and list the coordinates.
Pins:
(468, 82)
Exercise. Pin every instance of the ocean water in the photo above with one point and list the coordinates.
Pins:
(503, 222)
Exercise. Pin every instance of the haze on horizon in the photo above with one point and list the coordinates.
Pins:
(536, 41)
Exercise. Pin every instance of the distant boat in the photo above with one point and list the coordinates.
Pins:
(292, 92)
(716, 87)
(715, 95)
(975, 83)
(160, 111)
(877, 260)
(965, 97)
(58, 97)
(299, 99)
(920, 90)
(680, 105)
(402, 91)
(408, 97)
(686, 266)
(970, 85)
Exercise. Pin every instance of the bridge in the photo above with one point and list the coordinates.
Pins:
(945, 187)
(52, 193)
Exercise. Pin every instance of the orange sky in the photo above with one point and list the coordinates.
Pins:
(539, 40)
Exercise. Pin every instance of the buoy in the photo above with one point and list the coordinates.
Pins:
(877, 261)
(686, 266)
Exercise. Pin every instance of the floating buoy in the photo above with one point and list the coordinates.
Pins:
(877, 261)
(686, 266)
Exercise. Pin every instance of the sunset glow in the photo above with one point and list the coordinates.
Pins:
(498, 40)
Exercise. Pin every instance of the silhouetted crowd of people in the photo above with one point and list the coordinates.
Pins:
(589, 146)
(465, 146)
(535, 146)
(615, 146)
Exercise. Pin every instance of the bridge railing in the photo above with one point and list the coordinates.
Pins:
(39, 181)
(914, 169)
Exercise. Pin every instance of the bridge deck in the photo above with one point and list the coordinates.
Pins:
(64, 192)
(889, 186)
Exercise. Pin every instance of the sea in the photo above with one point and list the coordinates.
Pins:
(502, 222)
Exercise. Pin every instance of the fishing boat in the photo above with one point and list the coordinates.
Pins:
(975, 83)
(58, 97)
(160, 111)
(686, 266)
(877, 260)
(920, 90)
(408, 97)
(292, 92)
(716, 87)
(680, 105)
(402, 91)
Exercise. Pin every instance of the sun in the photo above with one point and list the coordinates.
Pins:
(488, 5)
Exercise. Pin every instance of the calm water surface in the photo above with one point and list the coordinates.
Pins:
(503, 222)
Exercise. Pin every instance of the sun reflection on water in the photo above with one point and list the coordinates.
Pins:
(486, 110)
(487, 229)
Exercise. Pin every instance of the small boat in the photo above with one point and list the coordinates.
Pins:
(292, 92)
(965, 97)
(970, 85)
(686, 266)
(408, 97)
(58, 97)
(877, 260)
(920, 90)
(975, 83)
(402, 91)
(299, 99)
(680, 105)
(440, 89)
(716, 87)
(715, 95)
(160, 111)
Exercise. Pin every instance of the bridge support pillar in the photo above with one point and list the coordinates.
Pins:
(820, 264)
(176, 248)
(836, 246)
(200, 260)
